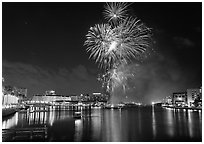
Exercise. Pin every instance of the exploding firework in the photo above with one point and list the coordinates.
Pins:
(115, 44)
(99, 39)
(115, 11)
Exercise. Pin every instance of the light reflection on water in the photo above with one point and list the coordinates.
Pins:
(114, 121)
(139, 122)
(190, 123)
(170, 130)
(10, 122)
(153, 122)
(78, 130)
(134, 124)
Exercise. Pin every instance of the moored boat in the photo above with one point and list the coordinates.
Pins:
(77, 115)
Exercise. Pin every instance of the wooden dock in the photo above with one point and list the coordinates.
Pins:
(24, 134)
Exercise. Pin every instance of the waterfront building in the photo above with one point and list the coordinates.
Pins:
(85, 97)
(12, 96)
(168, 100)
(50, 92)
(49, 98)
(193, 95)
(9, 100)
(75, 98)
(21, 94)
(98, 97)
(95, 96)
(179, 98)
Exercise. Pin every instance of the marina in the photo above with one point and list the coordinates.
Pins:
(146, 123)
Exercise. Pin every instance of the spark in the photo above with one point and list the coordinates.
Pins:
(118, 77)
(113, 46)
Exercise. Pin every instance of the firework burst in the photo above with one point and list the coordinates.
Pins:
(115, 44)
(99, 39)
(110, 46)
(115, 11)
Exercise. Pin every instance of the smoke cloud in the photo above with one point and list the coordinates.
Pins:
(155, 79)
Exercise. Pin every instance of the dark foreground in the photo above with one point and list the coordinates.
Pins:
(141, 124)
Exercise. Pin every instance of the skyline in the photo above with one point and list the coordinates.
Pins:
(42, 48)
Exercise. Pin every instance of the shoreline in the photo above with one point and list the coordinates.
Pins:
(8, 111)
(186, 108)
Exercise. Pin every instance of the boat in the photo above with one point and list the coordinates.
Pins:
(77, 115)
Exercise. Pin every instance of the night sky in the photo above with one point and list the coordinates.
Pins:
(42, 48)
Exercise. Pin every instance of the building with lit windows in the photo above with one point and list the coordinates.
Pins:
(21, 93)
(193, 94)
(179, 99)
(99, 97)
(50, 92)
(49, 98)
(84, 97)
(75, 98)
(167, 100)
(9, 99)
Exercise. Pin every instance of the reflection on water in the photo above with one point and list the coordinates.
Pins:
(115, 126)
(190, 123)
(96, 125)
(139, 121)
(78, 130)
(10, 121)
(133, 124)
(200, 120)
(170, 122)
(153, 122)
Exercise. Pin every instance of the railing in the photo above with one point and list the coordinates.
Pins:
(24, 134)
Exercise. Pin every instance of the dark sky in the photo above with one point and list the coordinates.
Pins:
(42, 48)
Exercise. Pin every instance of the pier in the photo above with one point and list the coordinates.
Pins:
(25, 134)
(186, 108)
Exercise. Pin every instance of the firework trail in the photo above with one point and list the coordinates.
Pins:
(117, 77)
(114, 44)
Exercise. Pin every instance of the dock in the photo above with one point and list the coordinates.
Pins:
(24, 134)
(186, 108)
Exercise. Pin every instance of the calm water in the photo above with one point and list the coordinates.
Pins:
(146, 124)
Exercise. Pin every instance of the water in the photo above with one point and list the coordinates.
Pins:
(143, 124)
